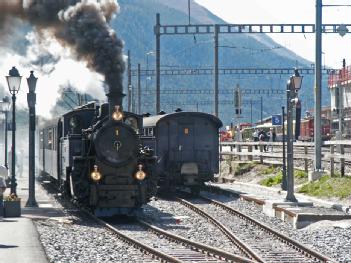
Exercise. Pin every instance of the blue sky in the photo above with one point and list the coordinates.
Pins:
(335, 47)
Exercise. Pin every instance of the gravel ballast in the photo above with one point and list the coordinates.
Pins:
(85, 241)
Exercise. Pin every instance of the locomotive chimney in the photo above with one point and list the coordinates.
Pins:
(115, 98)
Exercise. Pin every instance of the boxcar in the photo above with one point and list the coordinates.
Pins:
(187, 148)
(307, 129)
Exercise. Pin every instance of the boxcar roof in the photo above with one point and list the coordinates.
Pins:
(153, 120)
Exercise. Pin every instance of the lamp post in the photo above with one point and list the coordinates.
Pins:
(5, 107)
(294, 84)
(284, 187)
(31, 99)
(150, 53)
(14, 83)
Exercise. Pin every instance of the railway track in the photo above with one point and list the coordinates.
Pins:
(166, 247)
(259, 242)
(158, 245)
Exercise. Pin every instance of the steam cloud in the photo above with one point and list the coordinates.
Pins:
(82, 25)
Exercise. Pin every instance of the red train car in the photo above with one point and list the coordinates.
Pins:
(307, 129)
(226, 136)
(244, 125)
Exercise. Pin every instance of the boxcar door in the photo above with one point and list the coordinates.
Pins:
(186, 142)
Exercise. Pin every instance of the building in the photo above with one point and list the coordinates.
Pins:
(339, 83)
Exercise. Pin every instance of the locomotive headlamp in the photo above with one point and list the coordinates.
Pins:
(140, 174)
(117, 115)
(95, 175)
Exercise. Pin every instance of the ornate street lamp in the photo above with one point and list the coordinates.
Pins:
(14, 83)
(5, 107)
(31, 99)
(293, 86)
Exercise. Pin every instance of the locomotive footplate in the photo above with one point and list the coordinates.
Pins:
(117, 196)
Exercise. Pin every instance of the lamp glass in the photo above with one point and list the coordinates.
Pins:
(14, 83)
(297, 81)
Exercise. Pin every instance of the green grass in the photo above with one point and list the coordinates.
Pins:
(328, 187)
(268, 170)
(300, 174)
(272, 180)
(300, 177)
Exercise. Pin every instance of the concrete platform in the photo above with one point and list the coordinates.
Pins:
(19, 239)
(299, 214)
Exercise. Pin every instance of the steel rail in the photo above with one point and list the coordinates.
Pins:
(195, 245)
(244, 248)
(135, 243)
(285, 239)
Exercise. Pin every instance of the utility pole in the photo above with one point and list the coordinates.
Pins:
(251, 112)
(129, 84)
(216, 69)
(189, 10)
(158, 62)
(139, 90)
(261, 110)
(318, 90)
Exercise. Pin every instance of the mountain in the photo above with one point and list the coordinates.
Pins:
(135, 26)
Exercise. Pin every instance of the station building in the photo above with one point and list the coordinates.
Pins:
(339, 83)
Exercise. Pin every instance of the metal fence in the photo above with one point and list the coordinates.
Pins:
(334, 152)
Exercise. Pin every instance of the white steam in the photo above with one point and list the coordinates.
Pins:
(57, 69)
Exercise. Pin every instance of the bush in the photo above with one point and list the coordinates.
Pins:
(300, 174)
(272, 180)
(269, 170)
(328, 186)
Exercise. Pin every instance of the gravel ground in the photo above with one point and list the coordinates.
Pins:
(176, 218)
(326, 237)
(329, 238)
(75, 240)
(175, 249)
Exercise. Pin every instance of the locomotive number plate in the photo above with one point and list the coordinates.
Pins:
(117, 145)
(117, 132)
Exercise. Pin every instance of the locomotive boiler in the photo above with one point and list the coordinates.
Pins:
(94, 155)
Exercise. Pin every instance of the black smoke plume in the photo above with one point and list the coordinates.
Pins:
(82, 25)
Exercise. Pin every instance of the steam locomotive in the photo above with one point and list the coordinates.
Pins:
(94, 155)
(187, 148)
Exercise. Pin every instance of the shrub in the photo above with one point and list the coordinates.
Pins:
(272, 180)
